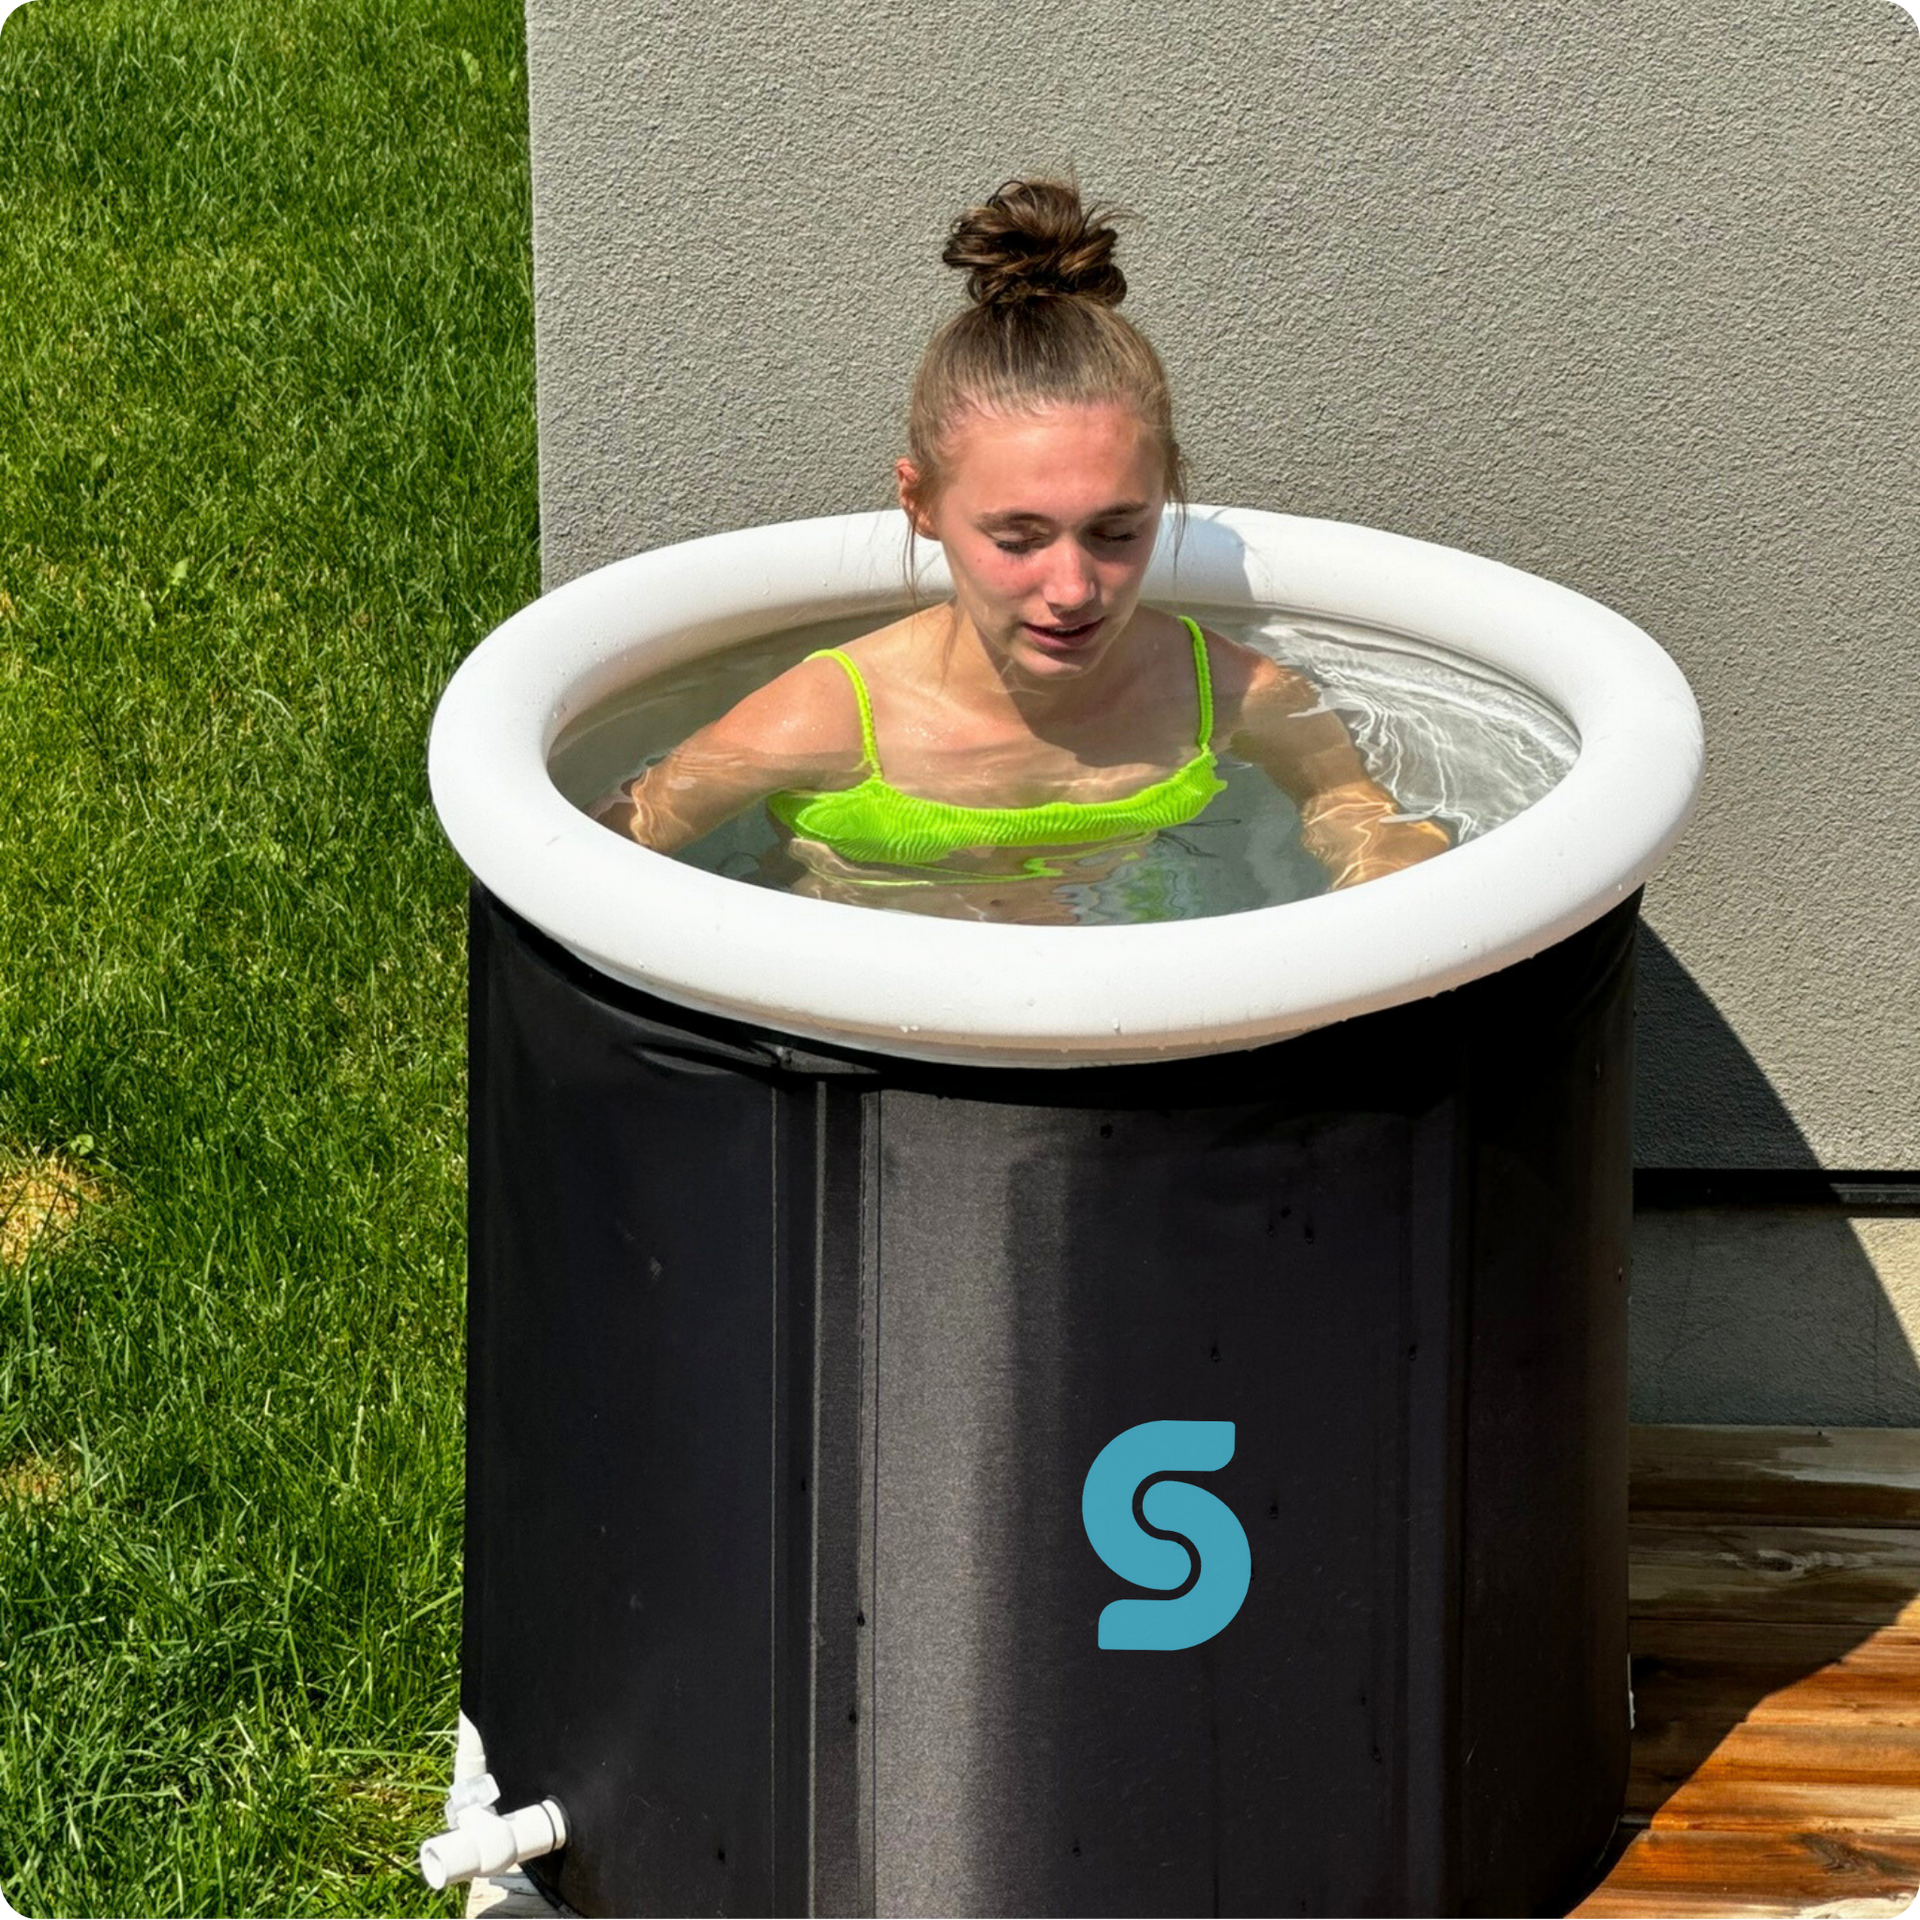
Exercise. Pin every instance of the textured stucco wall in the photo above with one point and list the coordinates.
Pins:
(1775, 1316)
(1622, 294)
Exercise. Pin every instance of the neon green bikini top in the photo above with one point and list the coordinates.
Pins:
(878, 824)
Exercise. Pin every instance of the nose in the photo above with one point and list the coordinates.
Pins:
(1070, 583)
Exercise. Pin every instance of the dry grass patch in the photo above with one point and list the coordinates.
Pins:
(42, 1196)
(378, 1822)
(34, 1482)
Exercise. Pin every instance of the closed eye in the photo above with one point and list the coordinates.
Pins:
(1106, 539)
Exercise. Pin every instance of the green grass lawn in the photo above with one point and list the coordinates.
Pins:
(267, 472)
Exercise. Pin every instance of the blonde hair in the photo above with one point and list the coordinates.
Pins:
(1041, 329)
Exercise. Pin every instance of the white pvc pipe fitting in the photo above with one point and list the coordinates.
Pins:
(490, 1842)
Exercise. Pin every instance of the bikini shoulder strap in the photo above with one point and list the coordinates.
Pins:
(1203, 679)
(860, 694)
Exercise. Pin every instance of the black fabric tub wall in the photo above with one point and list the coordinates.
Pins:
(788, 1371)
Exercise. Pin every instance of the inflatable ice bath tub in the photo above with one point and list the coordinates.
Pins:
(818, 1254)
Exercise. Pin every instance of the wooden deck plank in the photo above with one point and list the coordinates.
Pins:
(1863, 1688)
(1791, 1646)
(1815, 1776)
(1732, 1876)
(1775, 1580)
(1792, 1701)
(1852, 1476)
(1761, 1571)
(1740, 1802)
(508, 1896)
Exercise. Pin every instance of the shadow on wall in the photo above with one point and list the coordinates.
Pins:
(1766, 1290)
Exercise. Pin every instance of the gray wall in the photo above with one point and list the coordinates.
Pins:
(1775, 1316)
(1624, 294)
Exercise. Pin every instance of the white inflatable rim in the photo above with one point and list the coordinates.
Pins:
(975, 993)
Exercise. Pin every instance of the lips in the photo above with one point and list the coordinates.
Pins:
(1062, 636)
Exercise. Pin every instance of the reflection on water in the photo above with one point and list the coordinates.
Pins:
(1452, 740)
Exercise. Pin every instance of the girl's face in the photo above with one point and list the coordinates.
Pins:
(1048, 520)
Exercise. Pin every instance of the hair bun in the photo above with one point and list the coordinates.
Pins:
(1033, 240)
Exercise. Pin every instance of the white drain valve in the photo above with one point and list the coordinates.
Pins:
(480, 1840)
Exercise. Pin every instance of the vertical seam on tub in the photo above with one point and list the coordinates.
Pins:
(815, 1477)
(1461, 1307)
(798, 1120)
(1432, 1453)
(778, 1432)
(473, 1516)
(836, 1415)
(872, 1112)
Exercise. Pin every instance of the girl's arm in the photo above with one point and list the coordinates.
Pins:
(1349, 821)
(799, 730)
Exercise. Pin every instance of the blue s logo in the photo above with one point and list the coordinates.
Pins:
(1206, 1523)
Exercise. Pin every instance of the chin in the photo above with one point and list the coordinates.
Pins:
(1038, 660)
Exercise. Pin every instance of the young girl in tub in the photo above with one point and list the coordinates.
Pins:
(1041, 726)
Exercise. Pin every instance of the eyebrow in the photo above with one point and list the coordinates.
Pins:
(1115, 512)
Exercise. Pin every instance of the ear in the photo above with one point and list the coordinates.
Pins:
(907, 477)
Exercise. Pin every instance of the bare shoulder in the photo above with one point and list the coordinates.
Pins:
(806, 719)
(1249, 686)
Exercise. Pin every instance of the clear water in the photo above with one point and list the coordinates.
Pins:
(1451, 739)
